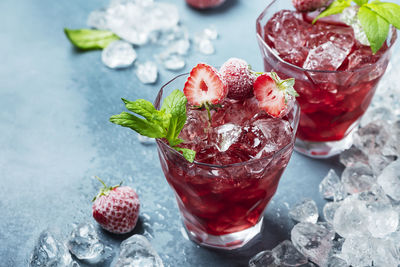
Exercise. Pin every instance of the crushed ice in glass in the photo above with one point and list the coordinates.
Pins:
(118, 54)
(137, 251)
(349, 16)
(305, 211)
(147, 72)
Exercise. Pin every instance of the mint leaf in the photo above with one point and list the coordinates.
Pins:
(87, 39)
(335, 8)
(389, 11)
(175, 104)
(187, 153)
(360, 2)
(143, 127)
(375, 27)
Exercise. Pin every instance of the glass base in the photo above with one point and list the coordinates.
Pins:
(324, 149)
(226, 242)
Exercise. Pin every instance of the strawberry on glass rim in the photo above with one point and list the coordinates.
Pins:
(274, 95)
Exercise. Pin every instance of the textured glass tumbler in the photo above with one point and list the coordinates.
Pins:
(332, 102)
(222, 206)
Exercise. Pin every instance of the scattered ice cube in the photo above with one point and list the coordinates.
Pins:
(287, 255)
(262, 259)
(313, 240)
(84, 242)
(331, 187)
(306, 211)
(389, 179)
(378, 113)
(98, 19)
(211, 32)
(351, 218)
(227, 134)
(171, 61)
(147, 72)
(329, 211)
(49, 251)
(327, 56)
(379, 162)
(137, 251)
(205, 46)
(335, 261)
(357, 251)
(358, 178)
(372, 137)
(353, 155)
(118, 54)
(144, 140)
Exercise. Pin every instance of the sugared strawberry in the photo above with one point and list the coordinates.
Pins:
(274, 95)
(116, 208)
(238, 77)
(204, 85)
(310, 5)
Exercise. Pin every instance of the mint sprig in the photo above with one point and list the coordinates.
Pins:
(88, 39)
(375, 18)
(164, 123)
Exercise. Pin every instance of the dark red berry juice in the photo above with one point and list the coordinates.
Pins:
(335, 75)
(240, 158)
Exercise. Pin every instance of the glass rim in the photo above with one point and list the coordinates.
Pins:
(393, 39)
(160, 142)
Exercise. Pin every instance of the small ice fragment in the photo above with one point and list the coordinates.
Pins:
(84, 242)
(137, 251)
(379, 113)
(372, 138)
(379, 162)
(313, 240)
(327, 56)
(171, 61)
(206, 47)
(329, 211)
(353, 155)
(331, 187)
(98, 19)
(227, 134)
(211, 32)
(144, 140)
(357, 251)
(335, 261)
(306, 211)
(49, 251)
(147, 72)
(287, 255)
(389, 179)
(262, 259)
(118, 54)
(358, 178)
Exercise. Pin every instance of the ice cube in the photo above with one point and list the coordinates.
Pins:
(358, 178)
(137, 251)
(349, 16)
(147, 72)
(118, 54)
(227, 134)
(385, 252)
(327, 56)
(276, 132)
(379, 162)
(211, 32)
(329, 211)
(144, 140)
(351, 218)
(263, 259)
(313, 240)
(287, 255)
(389, 179)
(331, 187)
(372, 138)
(204, 46)
(49, 251)
(306, 211)
(353, 155)
(171, 61)
(378, 113)
(357, 251)
(98, 19)
(335, 261)
(84, 242)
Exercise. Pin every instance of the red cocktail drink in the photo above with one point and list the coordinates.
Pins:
(240, 158)
(336, 76)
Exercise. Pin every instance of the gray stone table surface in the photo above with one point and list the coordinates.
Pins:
(55, 136)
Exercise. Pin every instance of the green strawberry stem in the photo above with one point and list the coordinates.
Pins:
(106, 189)
(207, 106)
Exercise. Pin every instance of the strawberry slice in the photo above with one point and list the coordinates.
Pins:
(204, 85)
(274, 94)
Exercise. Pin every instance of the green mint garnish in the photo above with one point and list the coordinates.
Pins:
(87, 39)
(375, 18)
(165, 123)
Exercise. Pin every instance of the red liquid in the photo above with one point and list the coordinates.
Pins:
(217, 200)
(331, 102)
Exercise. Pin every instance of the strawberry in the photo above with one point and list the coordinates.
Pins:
(116, 208)
(238, 77)
(273, 94)
(310, 5)
(204, 86)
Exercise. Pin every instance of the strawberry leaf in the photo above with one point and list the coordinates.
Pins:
(389, 11)
(375, 27)
(336, 7)
(87, 39)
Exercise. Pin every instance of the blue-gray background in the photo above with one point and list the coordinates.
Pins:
(55, 136)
